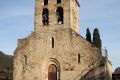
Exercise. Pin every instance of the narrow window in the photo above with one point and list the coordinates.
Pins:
(52, 42)
(60, 16)
(58, 1)
(45, 16)
(45, 2)
(78, 58)
(25, 57)
(24, 61)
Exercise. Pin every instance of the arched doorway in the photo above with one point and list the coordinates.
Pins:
(52, 72)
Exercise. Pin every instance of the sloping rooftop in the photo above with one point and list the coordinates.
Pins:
(117, 71)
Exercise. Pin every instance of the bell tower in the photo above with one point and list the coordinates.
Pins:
(55, 14)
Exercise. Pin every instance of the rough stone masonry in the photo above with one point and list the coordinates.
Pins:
(55, 50)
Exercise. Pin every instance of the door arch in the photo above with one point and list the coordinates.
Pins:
(52, 72)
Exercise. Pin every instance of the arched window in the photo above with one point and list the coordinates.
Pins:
(45, 2)
(78, 58)
(52, 42)
(60, 16)
(52, 72)
(58, 1)
(45, 16)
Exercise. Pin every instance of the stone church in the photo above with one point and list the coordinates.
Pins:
(56, 50)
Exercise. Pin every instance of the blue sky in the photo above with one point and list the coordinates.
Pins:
(17, 21)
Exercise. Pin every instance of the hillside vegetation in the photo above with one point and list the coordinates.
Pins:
(6, 66)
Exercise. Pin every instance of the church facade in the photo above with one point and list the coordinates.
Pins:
(55, 50)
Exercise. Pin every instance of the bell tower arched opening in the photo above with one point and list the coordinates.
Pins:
(58, 1)
(45, 16)
(60, 15)
(45, 2)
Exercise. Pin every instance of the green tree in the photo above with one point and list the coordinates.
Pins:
(96, 39)
(88, 35)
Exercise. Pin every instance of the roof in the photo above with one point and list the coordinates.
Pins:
(117, 71)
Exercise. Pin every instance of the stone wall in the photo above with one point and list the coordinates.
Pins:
(55, 44)
(39, 52)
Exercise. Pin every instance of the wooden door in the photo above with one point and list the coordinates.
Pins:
(52, 72)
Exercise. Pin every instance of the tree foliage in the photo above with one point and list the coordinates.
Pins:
(6, 66)
(96, 39)
(88, 35)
